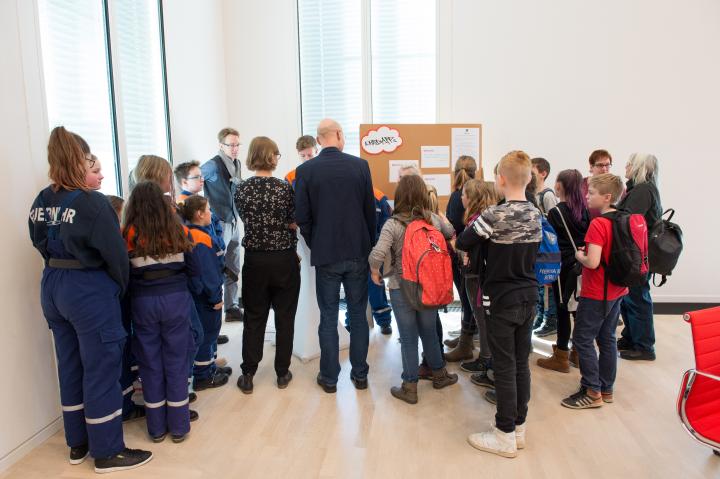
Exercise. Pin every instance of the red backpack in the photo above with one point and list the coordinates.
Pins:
(427, 280)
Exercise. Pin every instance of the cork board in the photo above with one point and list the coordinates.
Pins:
(385, 145)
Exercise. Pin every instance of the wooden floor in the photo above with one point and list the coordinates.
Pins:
(302, 432)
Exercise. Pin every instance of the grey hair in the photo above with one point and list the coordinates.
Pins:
(643, 168)
(409, 170)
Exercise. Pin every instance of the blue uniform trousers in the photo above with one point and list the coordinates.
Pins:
(211, 320)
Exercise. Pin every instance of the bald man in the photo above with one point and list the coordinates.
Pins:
(335, 210)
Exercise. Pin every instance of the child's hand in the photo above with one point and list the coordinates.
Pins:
(580, 255)
(218, 306)
(376, 278)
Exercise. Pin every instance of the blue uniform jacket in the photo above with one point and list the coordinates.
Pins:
(207, 287)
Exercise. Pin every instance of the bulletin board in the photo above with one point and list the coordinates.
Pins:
(434, 148)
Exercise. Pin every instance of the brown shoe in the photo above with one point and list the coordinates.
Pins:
(573, 359)
(405, 392)
(557, 362)
(607, 397)
(424, 372)
(442, 378)
(463, 351)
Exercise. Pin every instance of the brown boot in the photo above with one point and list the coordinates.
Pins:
(442, 378)
(452, 343)
(406, 392)
(463, 351)
(574, 361)
(557, 362)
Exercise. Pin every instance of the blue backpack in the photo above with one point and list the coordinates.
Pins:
(547, 265)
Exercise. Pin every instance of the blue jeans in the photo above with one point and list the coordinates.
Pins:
(381, 310)
(551, 311)
(596, 321)
(413, 324)
(637, 311)
(352, 274)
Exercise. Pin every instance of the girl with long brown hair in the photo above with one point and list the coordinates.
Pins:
(86, 272)
(162, 263)
(411, 203)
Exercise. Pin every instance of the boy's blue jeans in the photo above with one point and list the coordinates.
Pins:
(551, 311)
(596, 321)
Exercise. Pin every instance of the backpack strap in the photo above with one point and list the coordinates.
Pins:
(663, 280)
(567, 230)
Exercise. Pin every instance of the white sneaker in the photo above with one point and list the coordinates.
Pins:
(495, 441)
(520, 436)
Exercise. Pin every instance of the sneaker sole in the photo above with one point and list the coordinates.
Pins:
(122, 468)
(473, 371)
(544, 335)
(75, 462)
(509, 455)
(590, 406)
(608, 400)
(483, 385)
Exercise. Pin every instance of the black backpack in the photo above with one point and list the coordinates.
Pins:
(664, 247)
(628, 261)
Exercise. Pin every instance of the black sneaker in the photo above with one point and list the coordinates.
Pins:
(194, 416)
(283, 381)
(192, 397)
(477, 366)
(122, 461)
(548, 328)
(624, 344)
(178, 438)
(245, 383)
(359, 383)
(637, 355)
(233, 314)
(328, 388)
(215, 381)
(538, 322)
(138, 412)
(490, 396)
(223, 339)
(226, 370)
(582, 400)
(386, 330)
(79, 454)
(482, 379)
(159, 438)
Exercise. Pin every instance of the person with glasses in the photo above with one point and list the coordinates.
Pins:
(221, 175)
(600, 162)
(271, 270)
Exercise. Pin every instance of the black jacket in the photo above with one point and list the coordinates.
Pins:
(335, 207)
(643, 199)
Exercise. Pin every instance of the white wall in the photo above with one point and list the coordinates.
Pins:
(559, 79)
(29, 403)
(263, 91)
(195, 58)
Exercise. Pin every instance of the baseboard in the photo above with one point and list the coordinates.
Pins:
(680, 308)
(19, 452)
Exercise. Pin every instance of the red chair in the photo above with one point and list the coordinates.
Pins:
(699, 401)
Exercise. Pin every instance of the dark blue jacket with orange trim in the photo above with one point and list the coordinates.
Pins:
(210, 281)
(177, 270)
(383, 211)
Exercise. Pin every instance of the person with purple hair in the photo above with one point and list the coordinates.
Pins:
(570, 219)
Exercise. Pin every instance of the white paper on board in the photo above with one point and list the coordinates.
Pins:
(395, 166)
(465, 141)
(435, 156)
(440, 182)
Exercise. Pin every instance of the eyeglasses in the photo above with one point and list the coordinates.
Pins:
(601, 166)
(232, 145)
(196, 177)
(279, 155)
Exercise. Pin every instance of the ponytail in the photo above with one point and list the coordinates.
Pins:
(465, 169)
(66, 157)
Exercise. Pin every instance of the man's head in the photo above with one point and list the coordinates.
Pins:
(189, 176)
(306, 147)
(541, 168)
(229, 140)
(600, 162)
(513, 172)
(330, 134)
(604, 190)
(408, 170)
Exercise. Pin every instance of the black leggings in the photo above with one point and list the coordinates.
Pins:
(564, 324)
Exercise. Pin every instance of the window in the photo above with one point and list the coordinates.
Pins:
(331, 66)
(367, 61)
(75, 65)
(104, 78)
(403, 61)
